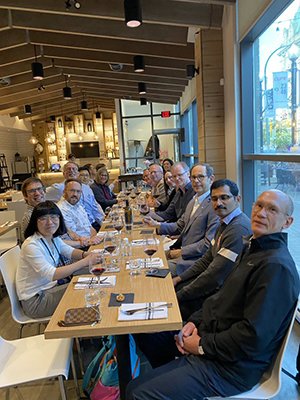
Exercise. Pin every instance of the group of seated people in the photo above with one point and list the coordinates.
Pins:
(236, 283)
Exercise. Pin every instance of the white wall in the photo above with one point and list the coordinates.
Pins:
(14, 138)
(249, 11)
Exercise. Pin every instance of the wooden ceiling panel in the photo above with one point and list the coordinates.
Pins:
(82, 43)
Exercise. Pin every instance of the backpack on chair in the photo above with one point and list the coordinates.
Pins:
(101, 379)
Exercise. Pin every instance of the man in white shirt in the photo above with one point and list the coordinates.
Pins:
(87, 200)
(75, 216)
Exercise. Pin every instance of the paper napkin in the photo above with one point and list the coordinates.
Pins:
(85, 282)
(142, 315)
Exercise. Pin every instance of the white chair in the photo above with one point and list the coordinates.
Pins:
(16, 196)
(34, 358)
(19, 207)
(9, 262)
(269, 384)
(9, 239)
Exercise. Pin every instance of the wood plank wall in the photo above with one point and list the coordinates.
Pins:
(210, 100)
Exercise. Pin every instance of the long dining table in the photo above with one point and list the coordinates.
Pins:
(145, 290)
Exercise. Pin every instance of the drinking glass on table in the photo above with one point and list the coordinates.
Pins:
(150, 247)
(144, 208)
(110, 244)
(97, 266)
(119, 223)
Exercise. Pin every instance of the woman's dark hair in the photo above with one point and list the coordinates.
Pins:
(170, 161)
(45, 208)
(165, 183)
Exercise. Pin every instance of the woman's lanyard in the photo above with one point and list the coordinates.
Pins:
(51, 255)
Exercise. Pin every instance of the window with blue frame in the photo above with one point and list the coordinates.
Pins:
(189, 148)
(270, 108)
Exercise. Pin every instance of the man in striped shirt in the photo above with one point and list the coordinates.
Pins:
(207, 274)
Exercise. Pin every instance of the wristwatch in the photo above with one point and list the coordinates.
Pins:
(200, 349)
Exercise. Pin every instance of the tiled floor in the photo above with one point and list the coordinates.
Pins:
(50, 389)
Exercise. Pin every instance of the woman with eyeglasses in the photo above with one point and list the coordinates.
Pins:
(170, 188)
(41, 266)
(104, 196)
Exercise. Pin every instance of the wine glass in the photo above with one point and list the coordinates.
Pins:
(144, 208)
(150, 247)
(119, 223)
(110, 244)
(97, 266)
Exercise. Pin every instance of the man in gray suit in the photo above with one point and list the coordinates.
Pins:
(196, 227)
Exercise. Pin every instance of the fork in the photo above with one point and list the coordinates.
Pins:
(131, 312)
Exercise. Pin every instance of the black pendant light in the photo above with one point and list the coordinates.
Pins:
(84, 106)
(27, 109)
(67, 90)
(52, 118)
(142, 88)
(139, 63)
(143, 101)
(37, 68)
(133, 13)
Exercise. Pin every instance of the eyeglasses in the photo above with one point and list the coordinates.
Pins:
(74, 191)
(179, 175)
(52, 217)
(39, 189)
(223, 198)
(199, 177)
(270, 209)
(71, 169)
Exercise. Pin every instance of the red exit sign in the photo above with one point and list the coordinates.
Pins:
(165, 114)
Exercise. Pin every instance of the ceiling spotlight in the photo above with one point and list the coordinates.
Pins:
(37, 68)
(67, 92)
(139, 63)
(77, 5)
(84, 106)
(143, 101)
(27, 109)
(142, 88)
(98, 115)
(190, 71)
(52, 118)
(133, 13)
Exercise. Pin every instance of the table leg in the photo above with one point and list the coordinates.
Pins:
(124, 365)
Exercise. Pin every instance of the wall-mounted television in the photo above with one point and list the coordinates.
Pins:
(85, 149)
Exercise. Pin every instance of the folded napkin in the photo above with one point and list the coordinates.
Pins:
(85, 282)
(142, 315)
(139, 242)
(142, 263)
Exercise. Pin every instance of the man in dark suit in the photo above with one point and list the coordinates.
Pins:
(196, 227)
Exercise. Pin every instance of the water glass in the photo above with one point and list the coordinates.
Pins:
(126, 248)
(92, 297)
(135, 267)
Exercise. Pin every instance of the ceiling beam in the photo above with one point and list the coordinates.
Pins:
(106, 57)
(113, 45)
(93, 27)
